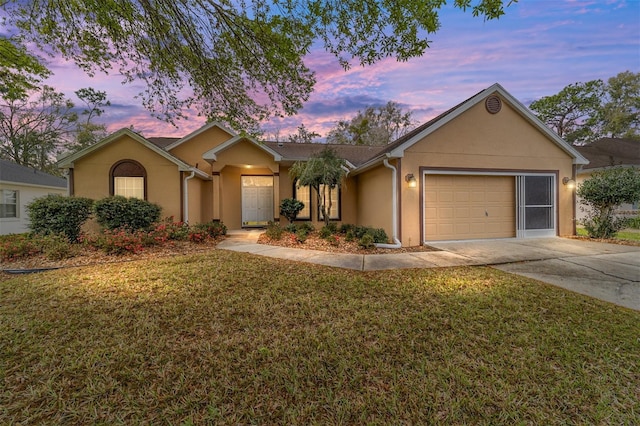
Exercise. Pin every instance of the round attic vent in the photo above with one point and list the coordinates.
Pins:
(493, 104)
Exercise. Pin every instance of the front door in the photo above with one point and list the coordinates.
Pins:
(257, 200)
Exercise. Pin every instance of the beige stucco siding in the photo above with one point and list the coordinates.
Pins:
(374, 198)
(245, 154)
(191, 150)
(91, 174)
(477, 140)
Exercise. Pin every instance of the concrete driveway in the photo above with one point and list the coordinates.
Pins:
(609, 272)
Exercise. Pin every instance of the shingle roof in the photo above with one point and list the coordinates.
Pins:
(607, 152)
(355, 154)
(162, 142)
(12, 172)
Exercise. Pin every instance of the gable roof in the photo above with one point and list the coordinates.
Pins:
(608, 152)
(67, 162)
(396, 149)
(15, 173)
(212, 153)
(199, 131)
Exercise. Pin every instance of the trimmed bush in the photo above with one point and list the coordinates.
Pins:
(131, 213)
(290, 207)
(353, 232)
(56, 214)
(325, 232)
(366, 241)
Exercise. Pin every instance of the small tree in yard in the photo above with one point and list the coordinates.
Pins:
(322, 172)
(602, 193)
(290, 207)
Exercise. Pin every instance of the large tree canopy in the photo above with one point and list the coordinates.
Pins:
(237, 61)
(584, 112)
(373, 126)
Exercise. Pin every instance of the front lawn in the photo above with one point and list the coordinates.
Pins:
(232, 338)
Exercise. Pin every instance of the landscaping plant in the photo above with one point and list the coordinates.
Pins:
(56, 214)
(290, 207)
(132, 213)
(602, 193)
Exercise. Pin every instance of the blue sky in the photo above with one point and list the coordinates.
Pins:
(536, 49)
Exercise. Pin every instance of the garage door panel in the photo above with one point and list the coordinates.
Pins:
(459, 207)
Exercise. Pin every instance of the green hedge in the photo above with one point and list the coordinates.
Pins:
(57, 214)
(118, 212)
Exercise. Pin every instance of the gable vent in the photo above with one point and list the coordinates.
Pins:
(493, 104)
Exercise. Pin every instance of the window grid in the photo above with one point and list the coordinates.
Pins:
(334, 213)
(130, 187)
(9, 204)
(303, 194)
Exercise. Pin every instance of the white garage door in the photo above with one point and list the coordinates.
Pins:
(461, 207)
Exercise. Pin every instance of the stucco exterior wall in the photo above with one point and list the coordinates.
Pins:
(191, 150)
(91, 174)
(26, 194)
(374, 199)
(493, 142)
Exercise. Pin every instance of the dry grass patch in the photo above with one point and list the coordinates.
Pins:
(230, 338)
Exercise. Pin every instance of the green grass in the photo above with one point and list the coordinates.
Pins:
(230, 338)
(625, 234)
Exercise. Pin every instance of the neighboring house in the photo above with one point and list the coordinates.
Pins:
(487, 168)
(606, 153)
(19, 185)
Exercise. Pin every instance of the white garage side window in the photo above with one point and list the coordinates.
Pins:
(130, 187)
(8, 204)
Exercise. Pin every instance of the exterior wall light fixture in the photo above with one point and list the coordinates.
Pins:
(411, 180)
(569, 183)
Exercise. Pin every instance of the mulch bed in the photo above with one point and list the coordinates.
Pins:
(314, 242)
(92, 256)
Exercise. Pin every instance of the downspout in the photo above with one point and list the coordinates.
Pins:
(394, 203)
(186, 196)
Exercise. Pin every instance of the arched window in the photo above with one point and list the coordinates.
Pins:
(129, 179)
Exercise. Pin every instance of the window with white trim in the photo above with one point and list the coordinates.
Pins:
(334, 212)
(8, 203)
(303, 194)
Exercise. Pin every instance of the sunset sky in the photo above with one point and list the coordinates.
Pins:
(536, 49)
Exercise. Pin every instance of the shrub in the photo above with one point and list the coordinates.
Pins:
(119, 212)
(634, 222)
(366, 241)
(274, 230)
(602, 192)
(120, 241)
(290, 207)
(56, 214)
(213, 229)
(170, 230)
(291, 227)
(379, 235)
(306, 226)
(346, 227)
(301, 235)
(325, 232)
(14, 247)
(197, 236)
(350, 235)
(353, 232)
(57, 247)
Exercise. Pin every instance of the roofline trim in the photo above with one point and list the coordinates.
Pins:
(67, 162)
(398, 152)
(212, 154)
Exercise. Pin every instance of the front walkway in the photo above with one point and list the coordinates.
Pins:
(609, 272)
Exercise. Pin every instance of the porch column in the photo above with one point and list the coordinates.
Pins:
(216, 196)
(276, 196)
